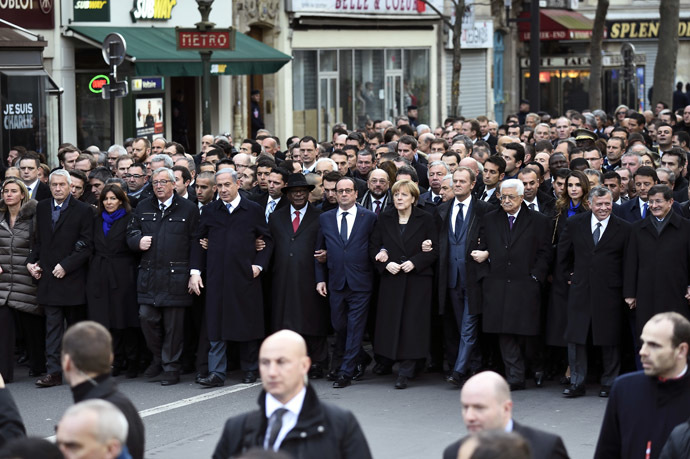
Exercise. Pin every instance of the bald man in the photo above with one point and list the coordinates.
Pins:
(486, 405)
(290, 417)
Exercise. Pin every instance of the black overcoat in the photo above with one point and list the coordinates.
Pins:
(657, 268)
(296, 305)
(69, 245)
(234, 299)
(515, 271)
(403, 314)
(111, 290)
(595, 295)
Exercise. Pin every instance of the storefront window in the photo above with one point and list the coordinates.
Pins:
(353, 86)
(560, 90)
(93, 114)
(24, 118)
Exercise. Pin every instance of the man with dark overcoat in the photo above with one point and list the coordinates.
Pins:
(162, 230)
(515, 245)
(64, 240)
(296, 305)
(232, 266)
(590, 260)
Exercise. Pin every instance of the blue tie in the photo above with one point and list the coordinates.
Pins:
(343, 227)
(229, 206)
(459, 221)
(644, 210)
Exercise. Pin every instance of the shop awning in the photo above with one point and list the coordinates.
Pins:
(154, 51)
(558, 25)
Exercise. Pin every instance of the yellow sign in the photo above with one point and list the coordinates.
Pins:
(152, 10)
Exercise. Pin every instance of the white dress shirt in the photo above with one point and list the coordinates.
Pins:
(604, 224)
(32, 188)
(465, 208)
(536, 204)
(302, 211)
(234, 203)
(293, 407)
(350, 218)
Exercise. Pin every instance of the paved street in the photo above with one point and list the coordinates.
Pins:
(185, 421)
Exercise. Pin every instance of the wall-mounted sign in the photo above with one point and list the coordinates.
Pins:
(149, 117)
(206, 41)
(642, 28)
(143, 84)
(478, 35)
(96, 84)
(608, 60)
(378, 7)
(152, 10)
(33, 14)
(92, 10)
(18, 116)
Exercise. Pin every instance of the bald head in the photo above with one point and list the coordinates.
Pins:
(284, 365)
(471, 163)
(292, 342)
(486, 402)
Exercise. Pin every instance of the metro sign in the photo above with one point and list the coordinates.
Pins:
(211, 40)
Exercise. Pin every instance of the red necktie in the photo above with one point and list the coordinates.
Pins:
(295, 222)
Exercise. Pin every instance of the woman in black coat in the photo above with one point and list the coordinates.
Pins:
(111, 287)
(403, 314)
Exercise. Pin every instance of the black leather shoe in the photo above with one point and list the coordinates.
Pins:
(605, 391)
(456, 379)
(153, 370)
(316, 372)
(132, 371)
(342, 382)
(34, 373)
(539, 378)
(382, 370)
(199, 377)
(361, 368)
(50, 380)
(401, 382)
(213, 380)
(517, 386)
(574, 390)
(170, 378)
(564, 381)
(332, 375)
(249, 377)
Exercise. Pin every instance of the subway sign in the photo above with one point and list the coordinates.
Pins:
(96, 84)
(642, 28)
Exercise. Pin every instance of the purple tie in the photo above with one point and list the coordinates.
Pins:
(511, 221)
(378, 207)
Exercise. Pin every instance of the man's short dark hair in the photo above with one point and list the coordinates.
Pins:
(453, 154)
(678, 153)
(518, 148)
(542, 145)
(408, 140)
(283, 173)
(681, 326)
(309, 139)
(216, 152)
(179, 149)
(265, 162)
(101, 173)
(664, 190)
(612, 175)
(78, 174)
(562, 173)
(683, 137)
(357, 137)
(256, 148)
(186, 175)
(408, 170)
(498, 162)
(646, 171)
(331, 176)
(29, 156)
(639, 117)
(89, 345)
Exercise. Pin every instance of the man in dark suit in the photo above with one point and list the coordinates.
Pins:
(273, 199)
(64, 240)
(457, 275)
(591, 250)
(29, 165)
(638, 208)
(486, 405)
(437, 170)
(494, 173)
(536, 199)
(232, 266)
(407, 148)
(518, 241)
(295, 304)
(346, 232)
(378, 197)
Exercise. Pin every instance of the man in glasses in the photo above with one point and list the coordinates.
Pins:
(515, 252)
(161, 229)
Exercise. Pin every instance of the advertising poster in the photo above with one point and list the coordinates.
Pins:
(149, 117)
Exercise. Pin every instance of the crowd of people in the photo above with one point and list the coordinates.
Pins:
(538, 249)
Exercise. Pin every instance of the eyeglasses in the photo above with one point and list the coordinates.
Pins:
(160, 182)
(508, 197)
(134, 176)
(344, 191)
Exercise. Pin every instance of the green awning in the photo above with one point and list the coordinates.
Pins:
(155, 52)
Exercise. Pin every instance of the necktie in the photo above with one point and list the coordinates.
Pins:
(597, 234)
(511, 221)
(162, 207)
(644, 210)
(437, 199)
(531, 206)
(229, 206)
(484, 196)
(378, 207)
(295, 222)
(269, 210)
(276, 422)
(343, 227)
(55, 215)
(459, 220)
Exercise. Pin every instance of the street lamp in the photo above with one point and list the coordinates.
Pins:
(203, 26)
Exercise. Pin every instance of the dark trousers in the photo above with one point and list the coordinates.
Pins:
(33, 328)
(163, 329)
(56, 316)
(126, 347)
(7, 337)
(203, 347)
(349, 317)
(466, 334)
(317, 349)
(193, 318)
(577, 357)
(513, 360)
(249, 357)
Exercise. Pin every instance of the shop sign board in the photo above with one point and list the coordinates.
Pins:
(152, 10)
(32, 14)
(96, 84)
(143, 84)
(608, 60)
(91, 11)
(478, 35)
(365, 7)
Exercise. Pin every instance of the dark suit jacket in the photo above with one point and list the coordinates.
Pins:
(42, 192)
(544, 445)
(630, 210)
(11, 425)
(477, 210)
(367, 199)
(428, 199)
(547, 204)
(262, 200)
(422, 174)
(69, 245)
(348, 263)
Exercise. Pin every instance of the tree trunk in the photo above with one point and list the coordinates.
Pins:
(457, 53)
(595, 49)
(665, 67)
